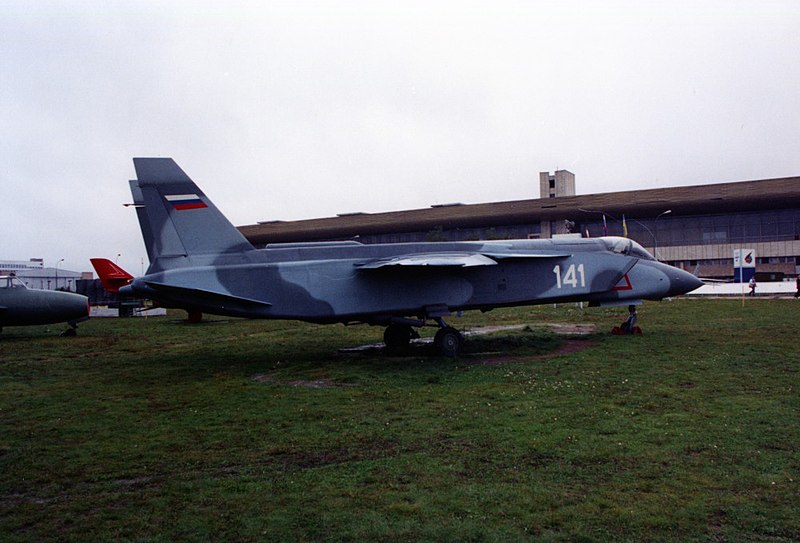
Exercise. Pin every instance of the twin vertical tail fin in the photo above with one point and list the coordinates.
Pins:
(177, 219)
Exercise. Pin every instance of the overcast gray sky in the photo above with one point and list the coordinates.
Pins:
(290, 110)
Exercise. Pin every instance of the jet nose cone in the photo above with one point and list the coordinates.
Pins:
(72, 307)
(681, 282)
(81, 307)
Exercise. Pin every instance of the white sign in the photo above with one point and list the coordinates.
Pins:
(744, 258)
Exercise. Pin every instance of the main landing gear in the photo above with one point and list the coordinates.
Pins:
(629, 326)
(398, 335)
(448, 340)
(194, 317)
(72, 331)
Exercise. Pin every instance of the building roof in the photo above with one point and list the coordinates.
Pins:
(739, 196)
(61, 273)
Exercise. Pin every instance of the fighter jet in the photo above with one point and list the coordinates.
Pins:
(21, 306)
(200, 262)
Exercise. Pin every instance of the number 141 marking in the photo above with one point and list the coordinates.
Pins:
(571, 277)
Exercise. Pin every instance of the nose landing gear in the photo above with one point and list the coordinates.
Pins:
(629, 326)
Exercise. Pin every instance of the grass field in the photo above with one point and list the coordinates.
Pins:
(232, 430)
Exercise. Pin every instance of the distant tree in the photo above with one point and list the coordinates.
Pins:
(491, 233)
(437, 234)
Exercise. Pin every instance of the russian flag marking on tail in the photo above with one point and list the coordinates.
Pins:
(185, 201)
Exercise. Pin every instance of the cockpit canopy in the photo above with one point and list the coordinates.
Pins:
(10, 281)
(626, 246)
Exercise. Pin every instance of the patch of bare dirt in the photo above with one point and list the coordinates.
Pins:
(559, 328)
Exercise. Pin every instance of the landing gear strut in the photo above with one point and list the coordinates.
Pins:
(629, 326)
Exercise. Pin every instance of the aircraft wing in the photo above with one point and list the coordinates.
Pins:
(455, 260)
(205, 294)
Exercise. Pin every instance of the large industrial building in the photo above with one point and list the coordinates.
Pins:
(696, 228)
(34, 274)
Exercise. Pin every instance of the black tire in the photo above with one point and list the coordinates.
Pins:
(448, 342)
(396, 337)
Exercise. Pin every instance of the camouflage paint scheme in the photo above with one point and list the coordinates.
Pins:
(199, 261)
(21, 306)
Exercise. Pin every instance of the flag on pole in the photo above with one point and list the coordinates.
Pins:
(624, 226)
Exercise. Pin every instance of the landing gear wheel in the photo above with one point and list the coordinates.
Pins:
(448, 341)
(396, 337)
(69, 332)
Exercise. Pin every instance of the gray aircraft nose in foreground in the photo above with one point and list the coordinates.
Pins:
(200, 262)
(21, 306)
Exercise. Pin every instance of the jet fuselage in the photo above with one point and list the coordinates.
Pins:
(21, 306)
(343, 282)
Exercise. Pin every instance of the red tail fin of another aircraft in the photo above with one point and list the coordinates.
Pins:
(112, 276)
